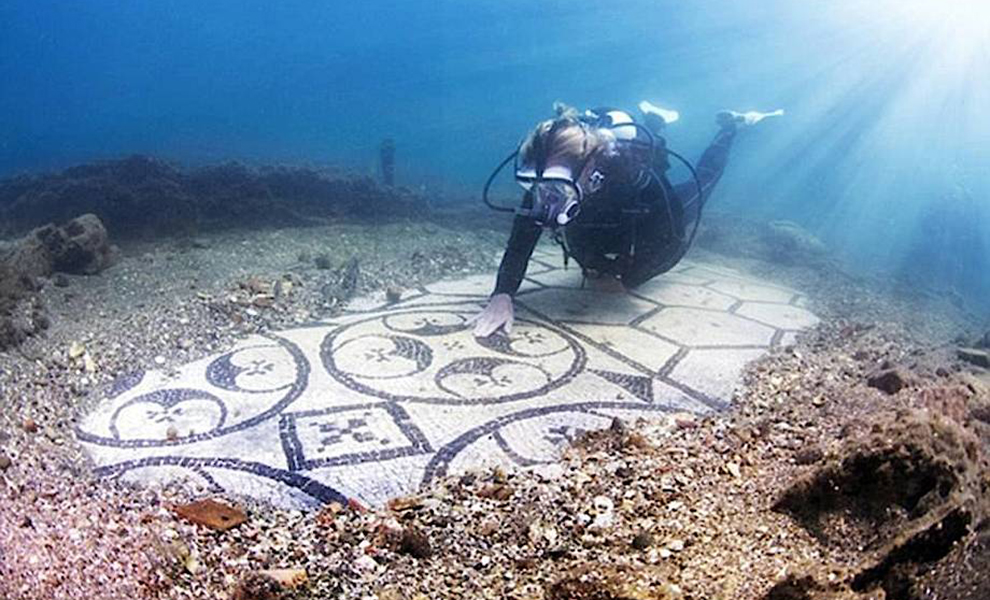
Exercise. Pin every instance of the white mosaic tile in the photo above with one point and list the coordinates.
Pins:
(693, 327)
(715, 372)
(383, 399)
(671, 293)
(746, 290)
(586, 306)
(565, 278)
(781, 317)
(645, 349)
(684, 277)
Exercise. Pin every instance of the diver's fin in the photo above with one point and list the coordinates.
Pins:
(729, 117)
(669, 116)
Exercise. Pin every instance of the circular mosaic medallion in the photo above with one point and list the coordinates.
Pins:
(432, 356)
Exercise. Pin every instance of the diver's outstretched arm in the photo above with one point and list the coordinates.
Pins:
(522, 242)
(498, 314)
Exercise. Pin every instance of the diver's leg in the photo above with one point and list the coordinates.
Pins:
(713, 161)
(657, 254)
(710, 168)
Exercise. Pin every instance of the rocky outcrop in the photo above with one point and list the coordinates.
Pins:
(140, 196)
(80, 246)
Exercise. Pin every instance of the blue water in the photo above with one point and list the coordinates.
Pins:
(883, 153)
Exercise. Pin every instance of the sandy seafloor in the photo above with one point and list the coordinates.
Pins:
(693, 513)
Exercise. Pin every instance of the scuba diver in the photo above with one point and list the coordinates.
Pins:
(597, 181)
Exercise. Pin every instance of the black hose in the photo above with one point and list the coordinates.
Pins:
(701, 194)
(491, 178)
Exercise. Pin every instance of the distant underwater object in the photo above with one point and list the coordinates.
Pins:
(386, 157)
(788, 242)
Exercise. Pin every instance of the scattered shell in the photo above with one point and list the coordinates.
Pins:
(211, 513)
(76, 350)
(287, 578)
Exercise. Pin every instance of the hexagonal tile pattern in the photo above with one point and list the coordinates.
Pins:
(384, 398)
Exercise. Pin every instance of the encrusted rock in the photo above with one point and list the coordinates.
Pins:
(415, 543)
(80, 247)
(974, 356)
(809, 455)
(256, 586)
(890, 380)
(642, 541)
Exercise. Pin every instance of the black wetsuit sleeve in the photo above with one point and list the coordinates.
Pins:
(522, 242)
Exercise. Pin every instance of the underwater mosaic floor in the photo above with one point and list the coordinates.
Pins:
(382, 400)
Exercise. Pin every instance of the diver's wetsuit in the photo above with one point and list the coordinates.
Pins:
(632, 233)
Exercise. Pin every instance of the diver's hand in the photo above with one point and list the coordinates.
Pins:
(498, 314)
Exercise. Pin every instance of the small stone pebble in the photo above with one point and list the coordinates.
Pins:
(5, 462)
(642, 541)
(30, 425)
(890, 381)
(323, 262)
(808, 455)
(415, 543)
(52, 435)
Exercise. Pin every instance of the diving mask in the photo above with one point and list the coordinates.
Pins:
(556, 198)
